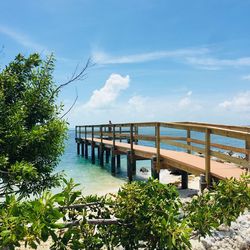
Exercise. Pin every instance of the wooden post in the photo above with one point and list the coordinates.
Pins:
(76, 131)
(207, 157)
(129, 166)
(184, 180)
(132, 158)
(188, 141)
(92, 146)
(82, 148)
(86, 150)
(134, 165)
(120, 132)
(98, 152)
(78, 148)
(248, 155)
(184, 174)
(118, 161)
(107, 155)
(203, 183)
(113, 161)
(158, 146)
(154, 172)
(131, 137)
(101, 147)
(136, 133)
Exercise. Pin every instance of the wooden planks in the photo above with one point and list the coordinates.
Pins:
(181, 160)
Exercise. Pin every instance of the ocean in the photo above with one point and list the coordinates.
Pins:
(95, 179)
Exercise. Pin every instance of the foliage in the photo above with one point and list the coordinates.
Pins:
(150, 216)
(31, 133)
(223, 205)
(151, 213)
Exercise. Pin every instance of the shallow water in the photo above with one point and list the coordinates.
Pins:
(91, 177)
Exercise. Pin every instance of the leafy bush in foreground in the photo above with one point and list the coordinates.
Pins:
(223, 205)
(145, 215)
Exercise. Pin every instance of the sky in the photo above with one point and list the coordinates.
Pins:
(154, 60)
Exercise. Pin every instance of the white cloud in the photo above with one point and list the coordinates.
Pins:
(215, 63)
(239, 103)
(22, 39)
(246, 77)
(109, 92)
(198, 57)
(104, 58)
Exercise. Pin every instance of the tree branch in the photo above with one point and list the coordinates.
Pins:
(72, 105)
(75, 77)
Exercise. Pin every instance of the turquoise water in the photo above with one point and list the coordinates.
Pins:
(95, 179)
(91, 177)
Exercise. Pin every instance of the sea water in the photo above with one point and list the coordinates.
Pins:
(94, 179)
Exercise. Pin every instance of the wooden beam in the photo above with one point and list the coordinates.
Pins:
(184, 180)
(158, 146)
(154, 172)
(78, 148)
(207, 157)
(118, 161)
(129, 166)
(113, 167)
(188, 140)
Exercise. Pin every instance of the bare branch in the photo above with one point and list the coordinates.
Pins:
(73, 104)
(75, 77)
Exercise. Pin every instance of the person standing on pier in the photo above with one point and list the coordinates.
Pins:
(110, 130)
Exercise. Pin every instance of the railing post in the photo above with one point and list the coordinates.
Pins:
(136, 134)
(92, 146)
(158, 146)
(76, 131)
(188, 140)
(154, 173)
(131, 138)
(207, 157)
(120, 132)
(101, 147)
(113, 152)
(131, 154)
(86, 143)
(247, 155)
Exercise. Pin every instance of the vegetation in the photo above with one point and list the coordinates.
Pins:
(142, 215)
(31, 132)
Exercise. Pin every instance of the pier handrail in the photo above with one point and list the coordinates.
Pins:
(129, 132)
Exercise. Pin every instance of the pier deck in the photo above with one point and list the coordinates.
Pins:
(181, 160)
(218, 161)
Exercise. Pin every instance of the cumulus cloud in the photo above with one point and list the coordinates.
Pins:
(106, 95)
(240, 102)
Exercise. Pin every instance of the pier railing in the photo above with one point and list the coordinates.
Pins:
(204, 145)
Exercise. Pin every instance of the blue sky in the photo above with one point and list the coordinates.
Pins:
(155, 59)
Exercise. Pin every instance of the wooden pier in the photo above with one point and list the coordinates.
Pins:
(198, 156)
